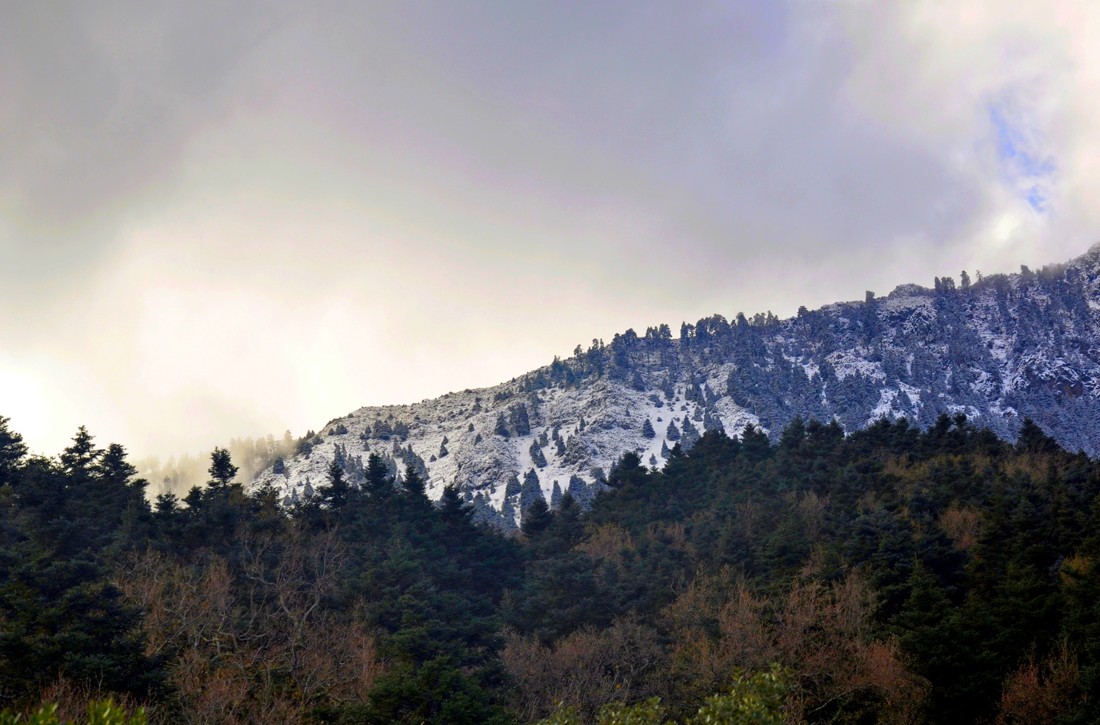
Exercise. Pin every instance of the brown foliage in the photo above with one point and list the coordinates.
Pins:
(821, 633)
(1039, 692)
(584, 670)
(72, 700)
(810, 509)
(607, 542)
(962, 526)
(256, 647)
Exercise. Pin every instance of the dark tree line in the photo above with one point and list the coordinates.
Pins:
(895, 574)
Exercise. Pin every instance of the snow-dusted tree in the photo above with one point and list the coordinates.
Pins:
(690, 435)
(519, 420)
(508, 515)
(537, 456)
(711, 421)
(530, 491)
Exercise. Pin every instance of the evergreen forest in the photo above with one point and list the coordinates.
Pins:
(895, 574)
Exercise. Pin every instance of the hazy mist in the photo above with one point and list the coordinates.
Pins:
(232, 220)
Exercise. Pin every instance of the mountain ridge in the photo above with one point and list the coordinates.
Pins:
(1000, 349)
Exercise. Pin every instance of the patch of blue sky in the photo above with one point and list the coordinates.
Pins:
(1023, 165)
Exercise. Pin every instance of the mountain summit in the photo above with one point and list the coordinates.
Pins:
(998, 349)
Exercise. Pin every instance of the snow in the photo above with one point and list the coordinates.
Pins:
(854, 362)
(1002, 363)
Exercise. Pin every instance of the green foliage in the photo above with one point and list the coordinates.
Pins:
(755, 699)
(222, 471)
(980, 557)
(649, 712)
(563, 716)
(59, 610)
(100, 712)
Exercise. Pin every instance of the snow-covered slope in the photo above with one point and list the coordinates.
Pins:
(1001, 349)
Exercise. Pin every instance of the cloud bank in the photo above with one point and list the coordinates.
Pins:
(231, 221)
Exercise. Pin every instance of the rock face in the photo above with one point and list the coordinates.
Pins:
(1001, 349)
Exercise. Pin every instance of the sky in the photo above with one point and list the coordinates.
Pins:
(232, 219)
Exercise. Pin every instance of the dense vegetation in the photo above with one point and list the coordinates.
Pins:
(893, 575)
(1004, 347)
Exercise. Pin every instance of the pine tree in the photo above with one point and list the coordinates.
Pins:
(12, 450)
(520, 422)
(78, 459)
(222, 471)
(537, 456)
(379, 483)
(536, 519)
(530, 491)
(334, 495)
(413, 483)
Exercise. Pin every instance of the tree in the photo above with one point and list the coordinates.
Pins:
(12, 451)
(519, 420)
(627, 472)
(222, 471)
(379, 483)
(77, 460)
(536, 519)
(412, 482)
(452, 508)
(537, 456)
(334, 495)
(756, 698)
(99, 712)
(1033, 439)
(530, 491)
(647, 429)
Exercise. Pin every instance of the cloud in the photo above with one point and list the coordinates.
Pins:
(263, 215)
(1002, 92)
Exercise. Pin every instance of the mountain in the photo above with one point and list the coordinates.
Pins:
(999, 350)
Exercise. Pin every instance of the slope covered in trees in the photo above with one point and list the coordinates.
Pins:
(1000, 349)
(894, 574)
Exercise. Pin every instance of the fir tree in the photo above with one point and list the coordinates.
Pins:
(537, 456)
(222, 471)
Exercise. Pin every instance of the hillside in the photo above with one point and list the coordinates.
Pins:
(999, 349)
(892, 575)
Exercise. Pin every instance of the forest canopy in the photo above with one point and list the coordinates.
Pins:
(894, 574)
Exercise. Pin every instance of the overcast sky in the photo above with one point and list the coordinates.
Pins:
(227, 219)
